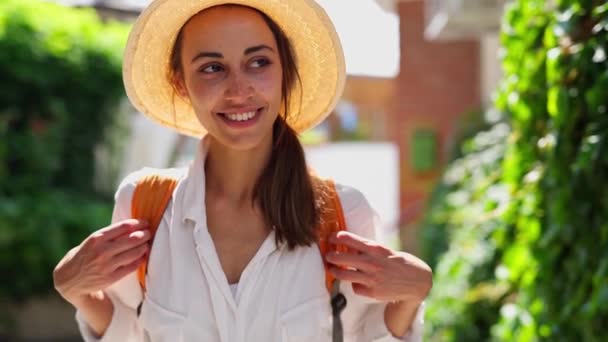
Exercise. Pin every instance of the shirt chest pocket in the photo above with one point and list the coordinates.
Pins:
(159, 323)
(309, 321)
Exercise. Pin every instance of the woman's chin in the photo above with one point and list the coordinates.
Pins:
(243, 141)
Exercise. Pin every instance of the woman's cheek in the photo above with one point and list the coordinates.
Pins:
(203, 90)
(270, 86)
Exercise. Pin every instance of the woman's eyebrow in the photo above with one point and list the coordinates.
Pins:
(248, 51)
(257, 48)
(205, 54)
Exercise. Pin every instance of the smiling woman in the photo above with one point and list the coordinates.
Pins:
(236, 91)
(234, 256)
(225, 81)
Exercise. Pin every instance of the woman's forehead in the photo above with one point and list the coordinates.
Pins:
(227, 26)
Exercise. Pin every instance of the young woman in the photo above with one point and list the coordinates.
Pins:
(234, 257)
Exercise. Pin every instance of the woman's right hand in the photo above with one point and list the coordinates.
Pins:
(103, 258)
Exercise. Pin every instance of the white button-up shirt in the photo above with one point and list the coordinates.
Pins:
(281, 295)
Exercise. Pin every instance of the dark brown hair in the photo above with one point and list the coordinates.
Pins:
(284, 190)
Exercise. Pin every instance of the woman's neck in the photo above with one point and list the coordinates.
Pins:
(233, 174)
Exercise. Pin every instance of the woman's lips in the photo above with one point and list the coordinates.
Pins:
(241, 118)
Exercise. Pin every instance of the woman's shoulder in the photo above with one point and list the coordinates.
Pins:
(350, 197)
(359, 215)
(127, 186)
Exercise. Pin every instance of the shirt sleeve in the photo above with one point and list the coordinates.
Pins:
(364, 317)
(126, 293)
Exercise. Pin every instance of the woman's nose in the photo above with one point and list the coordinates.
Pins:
(238, 88)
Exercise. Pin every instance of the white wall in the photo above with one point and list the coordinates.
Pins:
(369, 36)
(372, 168)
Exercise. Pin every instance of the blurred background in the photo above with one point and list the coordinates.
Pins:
(477, 129)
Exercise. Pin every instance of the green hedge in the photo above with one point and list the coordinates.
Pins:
(434, 236)
(526, 207)
(60, 85)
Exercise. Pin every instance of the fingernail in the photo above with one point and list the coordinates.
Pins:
(137, 234)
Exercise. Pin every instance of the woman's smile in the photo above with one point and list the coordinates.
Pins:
(241, 118)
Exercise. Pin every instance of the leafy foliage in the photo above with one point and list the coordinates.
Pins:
(525, 208)
(60, 84)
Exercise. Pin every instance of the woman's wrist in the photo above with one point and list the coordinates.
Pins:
(400, 315)
(97, 310)
(78, 299)
(71, 294)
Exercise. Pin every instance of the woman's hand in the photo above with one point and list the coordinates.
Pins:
(379, 272)
(101, 259)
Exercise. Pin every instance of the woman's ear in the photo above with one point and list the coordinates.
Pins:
(180, 85)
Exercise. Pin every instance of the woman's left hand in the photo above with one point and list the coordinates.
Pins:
(380, 272)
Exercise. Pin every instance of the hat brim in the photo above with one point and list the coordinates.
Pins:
(319, 59)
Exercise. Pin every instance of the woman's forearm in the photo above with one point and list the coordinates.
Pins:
(97, 309)
(399, 317)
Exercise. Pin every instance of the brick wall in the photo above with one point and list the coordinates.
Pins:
(438, 82)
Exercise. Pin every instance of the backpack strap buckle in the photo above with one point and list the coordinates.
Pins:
(338, 303)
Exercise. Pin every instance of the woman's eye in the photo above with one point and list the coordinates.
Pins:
(210, 69)
(260, 63)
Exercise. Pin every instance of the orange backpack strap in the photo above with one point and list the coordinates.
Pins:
(332, 221)
(150, 198)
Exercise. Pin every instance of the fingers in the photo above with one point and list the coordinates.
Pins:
(359, 243)
(361, 262)
(122, 271)
(107, 271)
(117, 229)
(128, 257)
(352, 276)
(104, 257)
(362, 290)
(126, 242)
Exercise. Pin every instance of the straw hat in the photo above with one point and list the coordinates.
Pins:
(319, 58)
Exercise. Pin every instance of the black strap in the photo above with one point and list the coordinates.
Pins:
(338, 303)
(139, 308)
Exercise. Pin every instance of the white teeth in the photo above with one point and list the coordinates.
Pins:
(241, 116)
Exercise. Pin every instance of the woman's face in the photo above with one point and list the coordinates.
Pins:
(232, 74)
